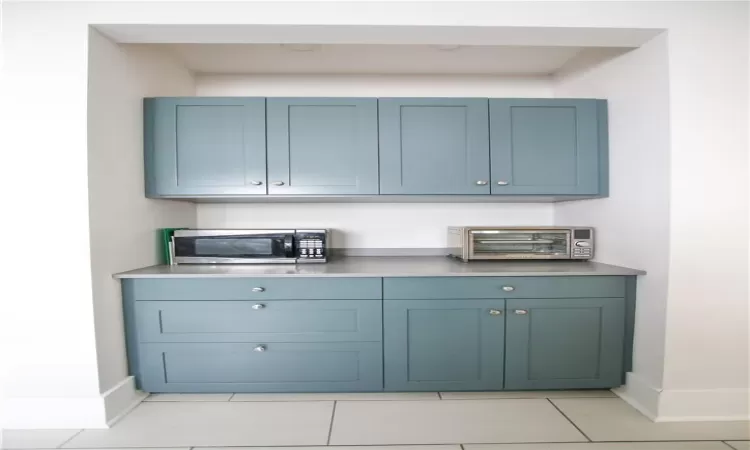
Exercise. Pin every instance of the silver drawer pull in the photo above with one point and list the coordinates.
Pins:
(278, 183)
(258, 289)
(481, 182)
(502, 183)
(259, 306)
(521, 312)
(260, 348)
(509, 288)
(495, 312)
(256, 183)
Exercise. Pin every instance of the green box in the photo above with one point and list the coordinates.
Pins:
(165, 239)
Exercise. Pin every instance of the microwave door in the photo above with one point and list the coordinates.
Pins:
(519, 244)
(234, 248)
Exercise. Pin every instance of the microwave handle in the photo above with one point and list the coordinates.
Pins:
(289, 245)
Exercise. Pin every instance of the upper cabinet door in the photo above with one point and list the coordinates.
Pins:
(434, 146)
(548, 146)
(322, 146)
(205, 146)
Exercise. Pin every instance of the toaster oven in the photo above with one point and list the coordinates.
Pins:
(495, 243)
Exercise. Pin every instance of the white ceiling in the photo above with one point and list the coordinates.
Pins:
(371, 58)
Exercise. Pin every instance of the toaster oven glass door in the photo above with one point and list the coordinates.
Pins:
(233, 247)
(520, 244)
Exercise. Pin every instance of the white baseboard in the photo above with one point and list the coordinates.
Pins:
(678, 405)
(715, 405)
(121, 399)
(640, 394)
(29, 413)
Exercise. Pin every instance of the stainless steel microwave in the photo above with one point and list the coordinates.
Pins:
(494, 243)
(249, 246)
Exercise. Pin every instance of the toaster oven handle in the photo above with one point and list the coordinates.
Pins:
(289, 246)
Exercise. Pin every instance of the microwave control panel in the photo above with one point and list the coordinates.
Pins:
(311, 247)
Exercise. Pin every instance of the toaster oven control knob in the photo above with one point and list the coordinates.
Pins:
(278, 183)
(258, 306)
(260, 348)
(502, 183)
(258, 289)
(509, 288)
(256, 183)
(583, 244)
(481, 182)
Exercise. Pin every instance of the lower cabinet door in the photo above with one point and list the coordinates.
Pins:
(256, 367)
(564, 343)
(443, 345)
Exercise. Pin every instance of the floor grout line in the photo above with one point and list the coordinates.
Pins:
(371, 400)
(197, 447)
(70, 439)
(65, 441)
(568, 418)
(330, 427)
(728, 445)
(231, 397)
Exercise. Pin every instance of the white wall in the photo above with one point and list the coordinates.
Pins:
(375, 225)
(49, 352)
(371, 225)
(633, 223)
(373, 85)
(707, 365)
(45, 114)
(679, 189)
(123, 222)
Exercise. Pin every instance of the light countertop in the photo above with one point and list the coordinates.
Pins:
(386, 266)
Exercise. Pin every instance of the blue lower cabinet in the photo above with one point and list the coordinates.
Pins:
(262, 367)
(570, 343)
(265, 320)
(443, 345)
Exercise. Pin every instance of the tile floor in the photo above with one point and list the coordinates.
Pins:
(544, 420)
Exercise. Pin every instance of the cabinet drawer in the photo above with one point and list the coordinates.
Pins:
(283, 367)
(255, 288)
(269, 321)
(503, 287)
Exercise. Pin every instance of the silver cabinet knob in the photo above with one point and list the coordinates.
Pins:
(256, 183)
(481, 182)
(278, 183)
(260, 348)
(509, 288)
(258, 289)
(495, 312)
(502, 183)
(521, 312)
(259, 306)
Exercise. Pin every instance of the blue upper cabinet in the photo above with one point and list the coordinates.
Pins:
(554, 149)
(434, 146)
(549, 146)
(201, 146)
(322, 146)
